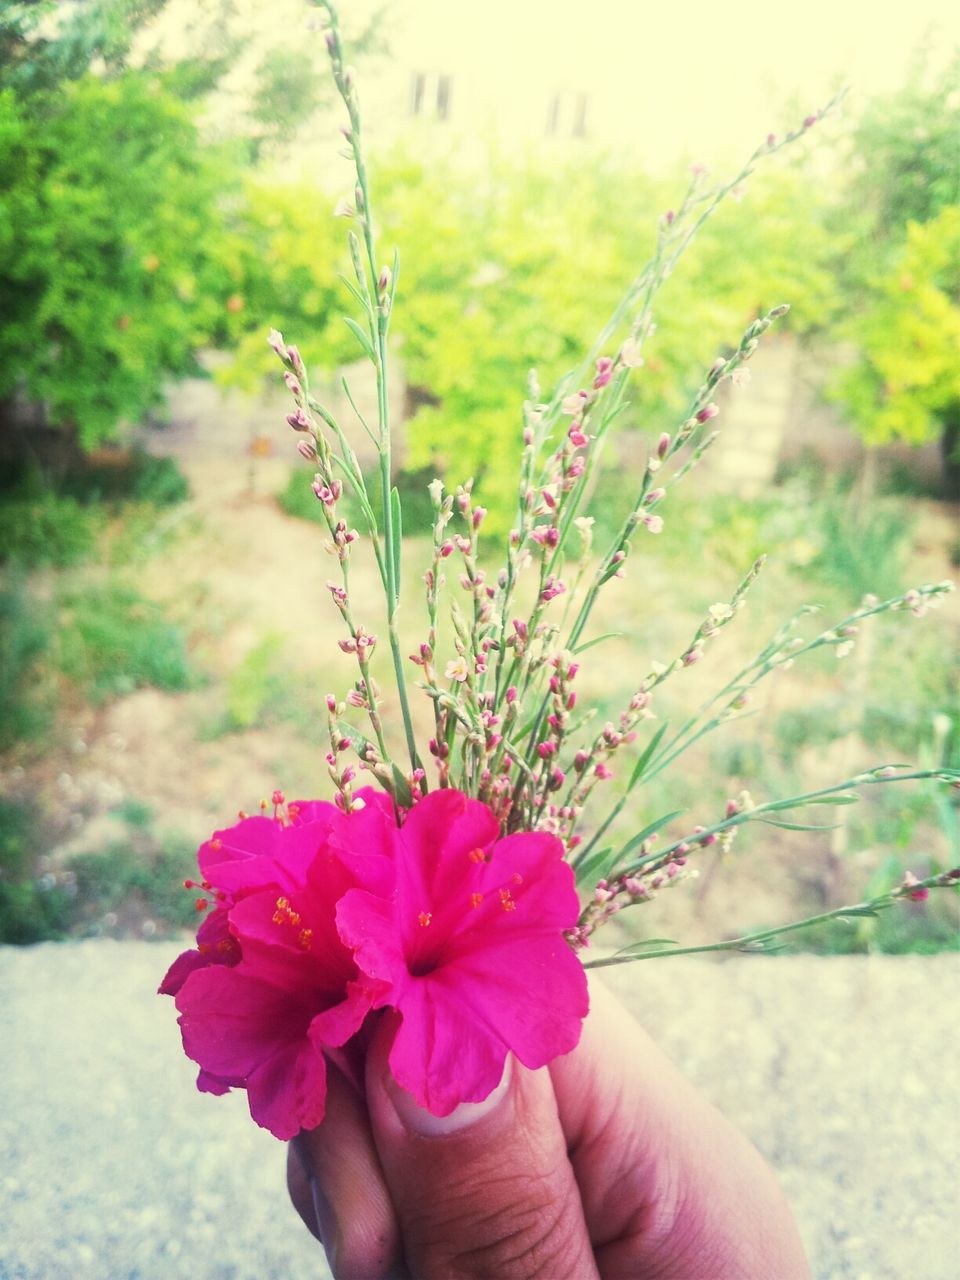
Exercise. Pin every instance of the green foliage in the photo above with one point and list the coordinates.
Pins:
(907, 379)
(555, 249)
(862, 546)
(47, 529)
(111, 641)
(134, 878)
(137, 877)
(32, 908)
(24, 640)
(110, 245)
(297, 499)
(252, 685)
(136, 477)
(902, 214)
(283, 264)
(905, 161)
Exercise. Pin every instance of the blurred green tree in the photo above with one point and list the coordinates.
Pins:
(903, 271)
(524, 273)
(110, 228)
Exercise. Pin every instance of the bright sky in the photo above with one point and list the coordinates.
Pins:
(691, 80)
(694, 76)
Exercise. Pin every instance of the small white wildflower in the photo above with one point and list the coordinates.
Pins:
(630, 354)
(720, 612)
(573, 404)
(457, 669)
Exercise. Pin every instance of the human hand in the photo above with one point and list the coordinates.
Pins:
(606, 1164)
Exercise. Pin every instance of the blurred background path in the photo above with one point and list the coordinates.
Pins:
(115, 1168)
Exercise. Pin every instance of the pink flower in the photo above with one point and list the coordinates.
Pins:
(604, 372)
(262, 1018)
(471, 946)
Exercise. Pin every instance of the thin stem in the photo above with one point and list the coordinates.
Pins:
(756, 942)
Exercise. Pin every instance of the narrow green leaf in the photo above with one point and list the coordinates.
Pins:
(589, 868)
(646, 755)
(610, 635)
(396, 516)
(842, 797)
(647, 832)
(361, 337)
(358, 296)
(646, 943)
(801, 826)
(401, 788)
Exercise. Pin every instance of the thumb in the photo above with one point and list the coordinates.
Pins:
(486, 1191)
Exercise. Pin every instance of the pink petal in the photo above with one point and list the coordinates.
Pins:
(231, 1023)
(307, 955)
(208, 1083)
(215, 945)
(306, 811)
(289, 1091)
(334, 1026)
(367, 925)
(180, 970)
(441, 1055)
(460, 1022)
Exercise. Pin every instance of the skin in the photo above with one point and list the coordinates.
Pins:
(606, 1164)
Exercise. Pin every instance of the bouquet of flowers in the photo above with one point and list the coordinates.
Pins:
(461, 888)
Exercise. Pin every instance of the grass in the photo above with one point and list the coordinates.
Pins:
(111, 640)
(137, 878)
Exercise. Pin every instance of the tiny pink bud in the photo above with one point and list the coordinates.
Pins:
(331, 702)
(707, 412)
(663, 445)
(299, 420)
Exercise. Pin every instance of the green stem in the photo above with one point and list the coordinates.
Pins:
(755, 942)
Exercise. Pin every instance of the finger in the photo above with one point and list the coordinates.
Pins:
(486, 1191)
(669, 1187)
(337, 1186)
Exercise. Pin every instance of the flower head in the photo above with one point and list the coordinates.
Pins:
(471, 946)
(259, 1016)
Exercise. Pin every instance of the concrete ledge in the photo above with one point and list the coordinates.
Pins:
(844, 1071)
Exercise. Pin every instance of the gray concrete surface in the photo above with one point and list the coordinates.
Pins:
(845, 1072)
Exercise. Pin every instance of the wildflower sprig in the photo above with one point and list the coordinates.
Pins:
(913, 889)
(629, 879)
(502, 650)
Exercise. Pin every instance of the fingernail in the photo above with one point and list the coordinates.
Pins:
(326, 1223)
(424, 1122)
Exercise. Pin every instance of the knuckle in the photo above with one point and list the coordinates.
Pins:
(520, 1231)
